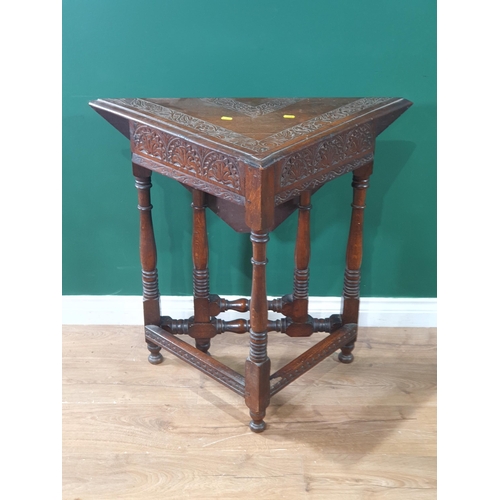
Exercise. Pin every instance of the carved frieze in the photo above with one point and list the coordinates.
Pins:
(321, 178)
(186, 157)
(326, 154)
(189, 179)
(324, 161)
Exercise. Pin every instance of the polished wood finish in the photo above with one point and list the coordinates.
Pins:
(201, 329)
(354, 253)
(200, 360)
(147, 252)
(364, 431)
(253, 162)
(310, 358)
(258, 365)
(302, 325)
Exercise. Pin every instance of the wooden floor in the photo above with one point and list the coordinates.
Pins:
(363, 431)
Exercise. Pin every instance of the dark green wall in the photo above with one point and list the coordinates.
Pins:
(204, 48)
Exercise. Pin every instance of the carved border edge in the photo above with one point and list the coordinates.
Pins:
(234, 384)
(332, 346)
(241, 140)
(250, 109)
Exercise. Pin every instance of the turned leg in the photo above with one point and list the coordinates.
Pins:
(350, 295)
(302, 256)
(258, 365)
(200, 272)
(147, 250)
(299, 310)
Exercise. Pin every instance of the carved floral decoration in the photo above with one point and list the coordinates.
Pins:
(202, 162)
(326, 155)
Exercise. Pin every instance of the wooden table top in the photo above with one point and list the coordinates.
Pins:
(253, 156)
(258, 130)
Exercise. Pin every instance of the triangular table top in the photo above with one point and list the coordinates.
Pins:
(256, 153)
(254, 127)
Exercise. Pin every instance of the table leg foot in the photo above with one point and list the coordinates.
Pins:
(257, 423)
(155, 358)
(203, 345)
(346, 356)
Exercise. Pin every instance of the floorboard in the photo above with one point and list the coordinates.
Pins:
(362, 431)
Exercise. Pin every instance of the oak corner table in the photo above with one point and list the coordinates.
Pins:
(253, 162)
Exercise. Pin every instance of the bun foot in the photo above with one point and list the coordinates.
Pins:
(346, 358)
(257, 426)
(203, 345)
(155, 358)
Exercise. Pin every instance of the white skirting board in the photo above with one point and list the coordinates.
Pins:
(127, 310)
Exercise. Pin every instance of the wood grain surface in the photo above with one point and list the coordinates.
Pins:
(362, 431)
